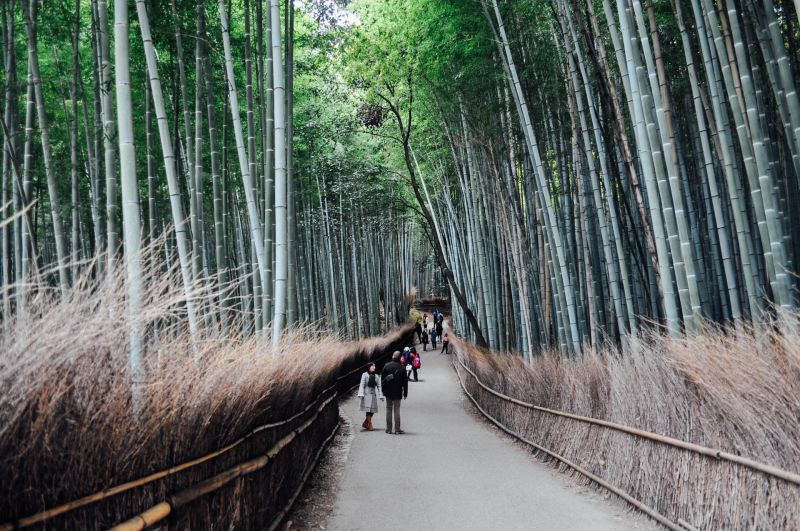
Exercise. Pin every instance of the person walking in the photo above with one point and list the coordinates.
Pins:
(433, 338)
(395, 388)
(424, 340)
(369, 391)
(445, 344)
(416, 363)
(405, 360)
(418, 330)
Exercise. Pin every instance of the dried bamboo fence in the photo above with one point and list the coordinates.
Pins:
(250, 483)
(680, 484)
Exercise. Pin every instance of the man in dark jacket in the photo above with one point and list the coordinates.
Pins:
(395, 388)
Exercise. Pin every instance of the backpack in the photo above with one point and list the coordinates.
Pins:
(417, 362)
(402, 360)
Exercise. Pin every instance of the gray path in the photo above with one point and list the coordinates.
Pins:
(451, 471)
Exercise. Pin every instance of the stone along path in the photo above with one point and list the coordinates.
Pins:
(450, 470)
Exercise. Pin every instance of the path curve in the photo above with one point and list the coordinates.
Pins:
(450, 470)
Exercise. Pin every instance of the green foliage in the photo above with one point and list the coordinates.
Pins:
(331, 143)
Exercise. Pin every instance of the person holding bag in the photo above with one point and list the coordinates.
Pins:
(416, 363)
(405, 360)
(369, 391)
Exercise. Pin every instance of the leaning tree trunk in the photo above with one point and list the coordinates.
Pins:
(244, 166)
(189, 150)
(178, 216)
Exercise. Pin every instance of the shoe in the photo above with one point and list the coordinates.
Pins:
(399, 432)
(388, 431)
(364, 424)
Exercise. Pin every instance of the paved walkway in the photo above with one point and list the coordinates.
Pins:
(451, 471)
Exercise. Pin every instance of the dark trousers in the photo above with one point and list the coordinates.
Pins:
(392, 408)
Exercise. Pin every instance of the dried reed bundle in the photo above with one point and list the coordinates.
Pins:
(72, 422)
(738, 393)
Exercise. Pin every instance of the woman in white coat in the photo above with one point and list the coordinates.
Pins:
(369, 391)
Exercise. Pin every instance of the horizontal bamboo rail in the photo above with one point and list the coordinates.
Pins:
(770, 470)
(597, 479)
(151, 516)
(161, 510)
(158, 512)
(309, 469)
(123, 487)
(129, 485)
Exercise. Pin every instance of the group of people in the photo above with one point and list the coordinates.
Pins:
(432, 334)
(391, 385)
(412, 362)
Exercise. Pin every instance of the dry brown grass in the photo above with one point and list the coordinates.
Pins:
(68, 427)
(735, 394)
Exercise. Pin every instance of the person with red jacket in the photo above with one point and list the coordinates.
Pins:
(416, 362)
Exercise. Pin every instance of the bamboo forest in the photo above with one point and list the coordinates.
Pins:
(217, 215)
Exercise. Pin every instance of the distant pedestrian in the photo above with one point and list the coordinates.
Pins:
(395, 389)
(405, 360)
(416, 363)
(418, 330)
(445, 344)
(439, 329)
(424, 340)
(434, 336)
(369, 391)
